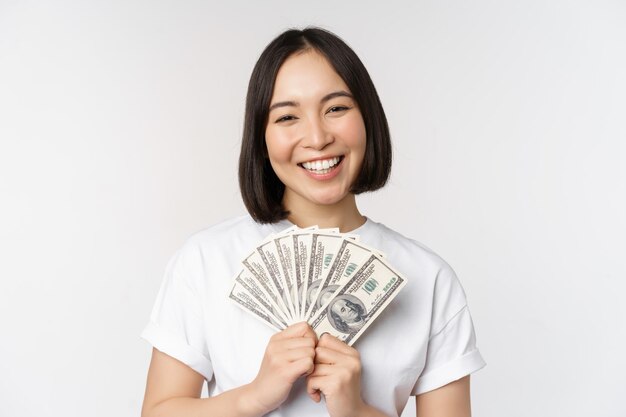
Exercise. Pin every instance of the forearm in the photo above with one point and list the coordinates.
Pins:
(233, 403)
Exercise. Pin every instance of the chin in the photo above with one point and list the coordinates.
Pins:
(327, 200)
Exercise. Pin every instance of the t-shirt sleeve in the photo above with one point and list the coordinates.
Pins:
(452, 352)
(176, 325)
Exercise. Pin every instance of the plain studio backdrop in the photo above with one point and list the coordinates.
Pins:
(120, 125)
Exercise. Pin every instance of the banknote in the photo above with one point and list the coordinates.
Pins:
(327, 278)
(276, 267)
(248, 282)
(292, 254)
(322, 252)
(240, 295)
(279, 262)
(302, 244)
(270, 283)
(359, 301)
(350, 255)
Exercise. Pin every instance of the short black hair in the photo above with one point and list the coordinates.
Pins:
(261, 190)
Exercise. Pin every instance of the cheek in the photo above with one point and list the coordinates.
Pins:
(356, 140)
(355, 135)
(278, 147)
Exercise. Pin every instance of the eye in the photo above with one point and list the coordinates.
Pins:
(285, 118)
(336, 109)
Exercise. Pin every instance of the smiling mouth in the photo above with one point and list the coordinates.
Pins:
(322, 166)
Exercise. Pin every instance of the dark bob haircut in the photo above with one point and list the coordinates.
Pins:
(261, 189)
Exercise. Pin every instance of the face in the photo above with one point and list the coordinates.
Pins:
(346, 311)
(315, 133)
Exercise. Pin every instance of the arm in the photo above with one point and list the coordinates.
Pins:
(452, 400)
(173, 389)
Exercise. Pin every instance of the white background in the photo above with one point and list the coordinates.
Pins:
(120, 124)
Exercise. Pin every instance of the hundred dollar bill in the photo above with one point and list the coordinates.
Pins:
(350, 256)
(276, 266)
(288, 230)
(244, 279)
(245, 300)
(301, 243)
(301, 254)
(286, 247)
(321, 254)
(270, 283)
(331, 230)
(359, 301)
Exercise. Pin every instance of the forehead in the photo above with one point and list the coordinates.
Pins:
(306, 74)
(340, 303)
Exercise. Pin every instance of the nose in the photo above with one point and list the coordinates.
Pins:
(317, 136)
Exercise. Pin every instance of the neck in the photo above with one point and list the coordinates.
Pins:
(344, 214)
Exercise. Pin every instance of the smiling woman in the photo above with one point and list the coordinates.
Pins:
(310, 89)
(315, 136)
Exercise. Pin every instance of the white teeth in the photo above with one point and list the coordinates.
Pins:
(321, 166)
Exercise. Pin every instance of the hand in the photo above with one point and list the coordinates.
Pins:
(289, 355)
(337, 375)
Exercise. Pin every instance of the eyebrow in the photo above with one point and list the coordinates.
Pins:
(330, 96)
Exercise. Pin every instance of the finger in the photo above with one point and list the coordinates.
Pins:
(337, 361)
(323, 370)
(310, 333)
(302, 367)
(331, 356)
(295, 330)
(314, 386)
(291, 349)
(318, 384)
(294, 343)
(329, 341)
(293, 355)
(316, 396)
(312, 389)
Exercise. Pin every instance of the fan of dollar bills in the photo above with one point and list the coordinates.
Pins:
(329, 279)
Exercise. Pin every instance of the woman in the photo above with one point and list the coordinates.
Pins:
(315, 135)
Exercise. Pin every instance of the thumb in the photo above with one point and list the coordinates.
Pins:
(313, 389)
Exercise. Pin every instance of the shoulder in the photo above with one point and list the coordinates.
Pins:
(230, 234)
(424, 269)
(223, 244)
(403, 250)
(430, 279)
(223, 230)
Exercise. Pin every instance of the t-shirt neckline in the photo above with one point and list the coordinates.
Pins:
(284, 224)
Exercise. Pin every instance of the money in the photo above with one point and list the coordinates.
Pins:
(323, 250)
(270, 283)
(245, 288)
(329, 279)
(350, 255)
(359, 301)
(280, 274)
(242, 296)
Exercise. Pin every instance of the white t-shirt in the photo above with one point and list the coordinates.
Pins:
(423, 340)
